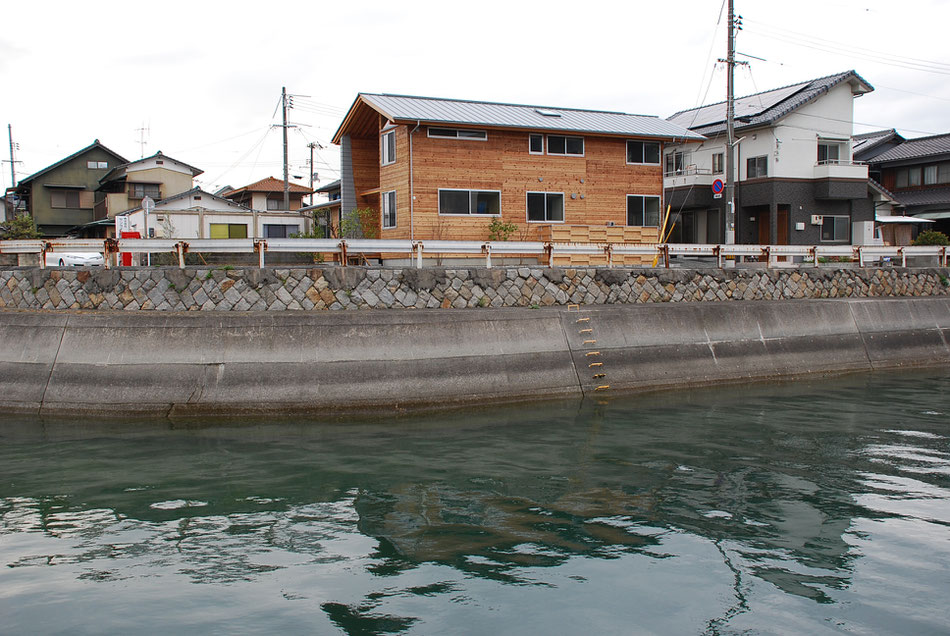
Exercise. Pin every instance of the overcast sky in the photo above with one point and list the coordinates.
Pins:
(205, 77)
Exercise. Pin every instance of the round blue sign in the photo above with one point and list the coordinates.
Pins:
(717, 186)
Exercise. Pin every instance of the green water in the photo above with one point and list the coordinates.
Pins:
(811, 508)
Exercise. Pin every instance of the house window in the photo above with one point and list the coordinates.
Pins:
(457, 133)
(757, 167)
(943, 172)
(545, 206)
(97, 165)
(275, 204)
(142, 190)
(64, 199)
(676, 163)
(536, 144)
(389, 209)
(561, 145)
(835, 229)
(718, 163)
(643, 152)
(828, 152)
(388, 148)
(930, 175)
(228, 230)
(273, 230)
(913, 177)
(643, 210)
(486, 202)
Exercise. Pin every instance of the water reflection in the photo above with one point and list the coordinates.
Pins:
(712, 511)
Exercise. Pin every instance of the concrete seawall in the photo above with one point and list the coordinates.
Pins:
(205, 363)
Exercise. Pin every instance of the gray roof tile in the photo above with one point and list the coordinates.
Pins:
(495, 115)
(917, 149)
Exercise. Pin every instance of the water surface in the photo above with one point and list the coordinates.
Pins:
(813, 507)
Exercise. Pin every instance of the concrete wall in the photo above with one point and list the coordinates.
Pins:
(211, 363)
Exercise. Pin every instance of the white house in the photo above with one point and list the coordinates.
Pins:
(796, 182)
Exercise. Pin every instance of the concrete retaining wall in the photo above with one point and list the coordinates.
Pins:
(222, 363)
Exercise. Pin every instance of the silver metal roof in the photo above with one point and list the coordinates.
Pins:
(545, 118)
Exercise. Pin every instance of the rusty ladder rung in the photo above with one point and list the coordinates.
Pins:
(595, 364)
(583, 319)
(592, 353)
(602, 387)
(598, 376)
(573, 307)
(590, 342)
(586, 331)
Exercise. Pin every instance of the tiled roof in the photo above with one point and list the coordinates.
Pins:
(521, 116)
(269, 184)
(333, 185)
(158, 155)
(188, 193)
(917, 149)
(763, 109)
(863, 145)
(929, 196)
(94, 144)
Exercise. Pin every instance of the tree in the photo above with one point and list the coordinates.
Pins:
(932, 237)
(19, 227)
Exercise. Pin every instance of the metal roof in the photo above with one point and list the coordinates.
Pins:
(763, 109)
(902, 219)
(543, 118)
(927, 196)
(917, 149)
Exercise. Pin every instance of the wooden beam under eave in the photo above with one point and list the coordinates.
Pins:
(368, 193)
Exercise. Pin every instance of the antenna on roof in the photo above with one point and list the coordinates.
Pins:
(143, 138)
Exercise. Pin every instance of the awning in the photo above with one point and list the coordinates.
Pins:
(906, 219)
(933, 215)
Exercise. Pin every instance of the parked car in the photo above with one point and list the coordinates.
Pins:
(79, 259)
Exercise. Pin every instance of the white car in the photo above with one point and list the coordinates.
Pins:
(79, 259)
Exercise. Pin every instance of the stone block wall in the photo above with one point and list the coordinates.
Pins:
(336, 288)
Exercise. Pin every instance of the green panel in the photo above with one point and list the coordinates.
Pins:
(238, 230)
(219, 231)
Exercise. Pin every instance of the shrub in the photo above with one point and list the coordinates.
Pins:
(499, 230)
(19, 227)
(932, 237)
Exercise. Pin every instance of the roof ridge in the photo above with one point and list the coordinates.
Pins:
(875, 133)
(478, 101)
(907, 141)
(771, 90)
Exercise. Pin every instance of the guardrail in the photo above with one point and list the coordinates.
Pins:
(545, 251)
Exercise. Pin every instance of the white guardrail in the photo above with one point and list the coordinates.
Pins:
(545, 251)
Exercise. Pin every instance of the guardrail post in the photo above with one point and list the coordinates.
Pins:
(549, 253)
(110, 252)
(813, 250)
(860, 252)
(903, 256)
(717, 252)
(343, 258)
(418, 255)
(943, 256)
(486, 250)
(767, 253)
(260, 247)
(666, 255)
(609, 251)
(181, 247)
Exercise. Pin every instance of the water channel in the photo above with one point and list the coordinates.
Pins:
(809, 507)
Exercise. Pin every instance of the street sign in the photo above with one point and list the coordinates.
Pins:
(717, 186)
(717, 195)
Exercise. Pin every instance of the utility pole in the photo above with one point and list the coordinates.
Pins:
(730, 237)
(12, 161)
(312, 145)
(283, 100)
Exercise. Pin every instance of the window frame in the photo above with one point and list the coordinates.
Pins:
(229, 226)
(669, 162)
(142, 186)
(389, 134)
(643, 145)
(65, 193)
(721, 157)
(532, 136)
(828, 144)
(644, 197)
(546, 194)
(469, 214)
(748, 162)
(836, 217)
(387, 210)
(565, 153)
(266, 227)
(484, 133)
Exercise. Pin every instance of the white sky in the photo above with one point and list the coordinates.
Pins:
(205, 76)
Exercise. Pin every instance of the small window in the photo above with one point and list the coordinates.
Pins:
(389, 209)
(901, 178)
(718, 163)
(388, 148)
(835, 229)
(536, 144)
(643, 152)
(97, 165)
(913, 177)
(930, 175)
(828, 152)
(142, 190)
(275, 204)
(545, 207)
(274, 230)
(485, 202)
(228, 230)
(943, 172)
(561, 145)
(676, 163)
(453, 133)
(757, 167)
(64, 199)
(643, 210)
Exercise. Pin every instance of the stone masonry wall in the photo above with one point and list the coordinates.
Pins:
(335, 288)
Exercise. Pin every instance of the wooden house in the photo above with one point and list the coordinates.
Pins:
(445, 169)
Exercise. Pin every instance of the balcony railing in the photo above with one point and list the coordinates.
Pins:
(841, 169)
(689, 175)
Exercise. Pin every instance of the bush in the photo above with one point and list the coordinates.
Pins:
(19, 227)
(932, 237)
(499, 230)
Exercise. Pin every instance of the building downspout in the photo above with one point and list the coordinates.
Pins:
(412, 196)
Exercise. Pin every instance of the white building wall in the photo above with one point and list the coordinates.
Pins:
(829, 117)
